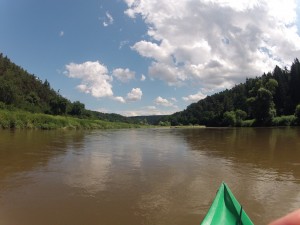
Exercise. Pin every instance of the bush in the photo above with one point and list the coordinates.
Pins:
(229, 118)
(297, 114)
(240, 115)
(284, 121)
(2, 105)
(248, 123)
(21, 119)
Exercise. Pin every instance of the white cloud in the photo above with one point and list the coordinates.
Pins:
(151, 107)
(195, 97)
(61, 33)
(109, 20)
(162, 101)
(143, 77)
(124, 75)
(94, 78)
(152, 50)
(123, 43)
(172, 74)
(134, 95)
(119, 99)
(96, 81)
(215, 43)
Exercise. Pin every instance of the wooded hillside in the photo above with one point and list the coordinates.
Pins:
(20, 90)
(261, 99)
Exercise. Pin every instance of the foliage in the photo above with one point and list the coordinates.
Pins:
(284, 121)
(77, 109)
(262, 107)
(255, 102)
(166, 123)
(20, 90)
(240, 116)
(260, 99)
(229, 118)
(234, 118)
(248, 123)
(27, 120)
(297, 114)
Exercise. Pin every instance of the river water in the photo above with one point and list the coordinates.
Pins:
(145, 176)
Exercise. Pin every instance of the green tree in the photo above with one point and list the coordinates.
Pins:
(164, 123)
(229, 118)
(282, 97)
(7, 92)
(271, 85)
(240, 115)
(77, 108)
(295, 82)
(263, 107)
(58, 106)
(297, 114)
(234, 118)
(33, 98)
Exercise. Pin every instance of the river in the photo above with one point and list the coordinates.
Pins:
(145, 176)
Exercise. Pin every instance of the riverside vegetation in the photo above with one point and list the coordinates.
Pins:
(270, 100)
(28, 102)
(27, 120)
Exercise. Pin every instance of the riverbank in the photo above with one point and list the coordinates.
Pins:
(27, 120)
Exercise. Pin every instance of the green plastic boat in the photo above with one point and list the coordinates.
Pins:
(226, 210)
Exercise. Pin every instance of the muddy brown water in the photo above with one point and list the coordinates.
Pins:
(145, 176)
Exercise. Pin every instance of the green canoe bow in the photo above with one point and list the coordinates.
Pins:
(226, 210)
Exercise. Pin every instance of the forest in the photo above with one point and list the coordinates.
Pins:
(270, 100)
(20, 90)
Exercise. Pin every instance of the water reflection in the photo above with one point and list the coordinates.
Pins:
(262, 166)
(266, 148)
(24, 150)
(151, 176)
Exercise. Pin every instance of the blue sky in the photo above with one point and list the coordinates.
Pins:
(148, 56)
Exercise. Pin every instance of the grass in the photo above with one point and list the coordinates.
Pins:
(27, 120)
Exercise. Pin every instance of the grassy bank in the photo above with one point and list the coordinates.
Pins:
(26, 120)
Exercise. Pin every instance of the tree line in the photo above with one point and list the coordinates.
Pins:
(272, 99)
(20, 90)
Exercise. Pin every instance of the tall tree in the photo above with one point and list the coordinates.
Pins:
(295, 82)
(282, 96)
(7, 92)
(263, 107)
(77, 108)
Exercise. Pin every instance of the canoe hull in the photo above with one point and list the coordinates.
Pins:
(226, 210)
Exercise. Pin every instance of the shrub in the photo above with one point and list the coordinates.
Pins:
(21, 119)
(284, 121)
(2, 105)
(248, 123)
(229, 118)
(297, 114)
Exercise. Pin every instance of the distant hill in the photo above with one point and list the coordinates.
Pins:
(261, 99)
(20, 90)
(153, 120)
